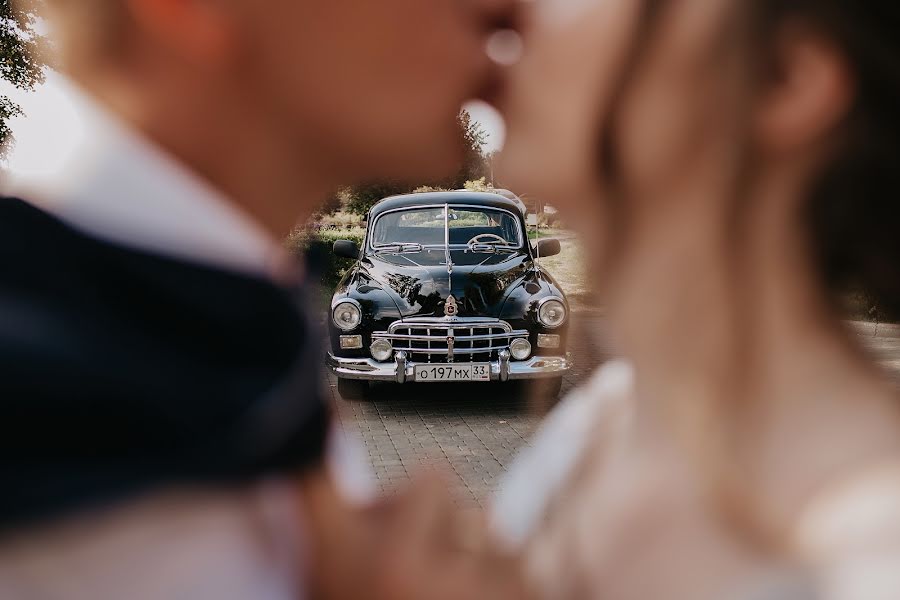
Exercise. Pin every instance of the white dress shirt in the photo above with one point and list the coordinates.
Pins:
(108, 181)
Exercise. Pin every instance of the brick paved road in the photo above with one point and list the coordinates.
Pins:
(472, 431)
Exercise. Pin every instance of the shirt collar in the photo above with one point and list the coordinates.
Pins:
(112, 183)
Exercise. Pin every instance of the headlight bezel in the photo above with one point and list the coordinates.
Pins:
(343, 326)
(547, 303)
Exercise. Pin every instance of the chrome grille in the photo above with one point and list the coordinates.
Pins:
(450, 340)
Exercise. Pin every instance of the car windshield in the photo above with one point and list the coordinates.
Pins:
(467, 225)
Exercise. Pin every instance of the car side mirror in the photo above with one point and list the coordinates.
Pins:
(346, 249)
(548, 247)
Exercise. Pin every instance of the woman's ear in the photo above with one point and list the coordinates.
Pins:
(808, 92)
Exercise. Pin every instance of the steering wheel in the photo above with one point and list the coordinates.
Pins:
(490, 237)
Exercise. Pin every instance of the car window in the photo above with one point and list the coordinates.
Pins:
(417, 226)
(421, 218)
(426, 226)
(484, 226)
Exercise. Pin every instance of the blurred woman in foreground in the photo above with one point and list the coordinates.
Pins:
(735, 165)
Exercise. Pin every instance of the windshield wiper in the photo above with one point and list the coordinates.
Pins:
(490, 248)
(401, 248)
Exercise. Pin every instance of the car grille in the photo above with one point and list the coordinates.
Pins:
(430, 340)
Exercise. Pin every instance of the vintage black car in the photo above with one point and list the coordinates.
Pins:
(447, 288)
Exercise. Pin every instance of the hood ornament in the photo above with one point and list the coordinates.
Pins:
(447, 254)
(451, 309)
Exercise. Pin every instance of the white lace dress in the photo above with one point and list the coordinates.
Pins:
(554, 506)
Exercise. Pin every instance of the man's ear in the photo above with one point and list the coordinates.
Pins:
(809, 91)
(200, 31)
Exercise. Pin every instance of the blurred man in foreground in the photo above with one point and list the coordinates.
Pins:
(162, 431)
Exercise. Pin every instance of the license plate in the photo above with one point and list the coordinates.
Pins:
(454, 372)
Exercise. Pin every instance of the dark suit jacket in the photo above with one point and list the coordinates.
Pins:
(122, 371)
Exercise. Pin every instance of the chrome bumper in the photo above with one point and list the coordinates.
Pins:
(402, 371)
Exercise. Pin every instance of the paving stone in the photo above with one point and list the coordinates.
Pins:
(470, 433)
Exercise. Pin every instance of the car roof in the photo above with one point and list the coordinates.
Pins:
(451, 197)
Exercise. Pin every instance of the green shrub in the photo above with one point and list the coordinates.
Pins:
(317, 247)
(340, 220)
(363, 197)
(478, 185)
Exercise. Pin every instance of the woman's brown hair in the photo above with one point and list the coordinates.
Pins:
(853, 211)
(851, 214)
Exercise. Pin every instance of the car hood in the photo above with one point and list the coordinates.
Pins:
(419, 282)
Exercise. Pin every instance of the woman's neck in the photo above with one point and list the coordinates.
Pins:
(740, 359)
(817, 408)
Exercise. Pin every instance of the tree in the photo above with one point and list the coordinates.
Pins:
(474, 138)
(22, 57)
(473, 167)
(364, 197)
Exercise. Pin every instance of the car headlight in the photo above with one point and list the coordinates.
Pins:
(520, 348)
(381, 350)
(346, 315)
(552, 313)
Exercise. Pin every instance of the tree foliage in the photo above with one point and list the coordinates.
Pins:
(364, 197)
(361, 198)
(479, 185)
(474, 138)
(22, 56)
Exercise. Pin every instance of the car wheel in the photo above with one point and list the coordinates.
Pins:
(545, 389)
(353, 389)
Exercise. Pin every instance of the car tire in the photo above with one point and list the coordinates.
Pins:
(545, 389)
(353, 389)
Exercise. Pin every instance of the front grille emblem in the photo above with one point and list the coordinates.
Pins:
(450, 307)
